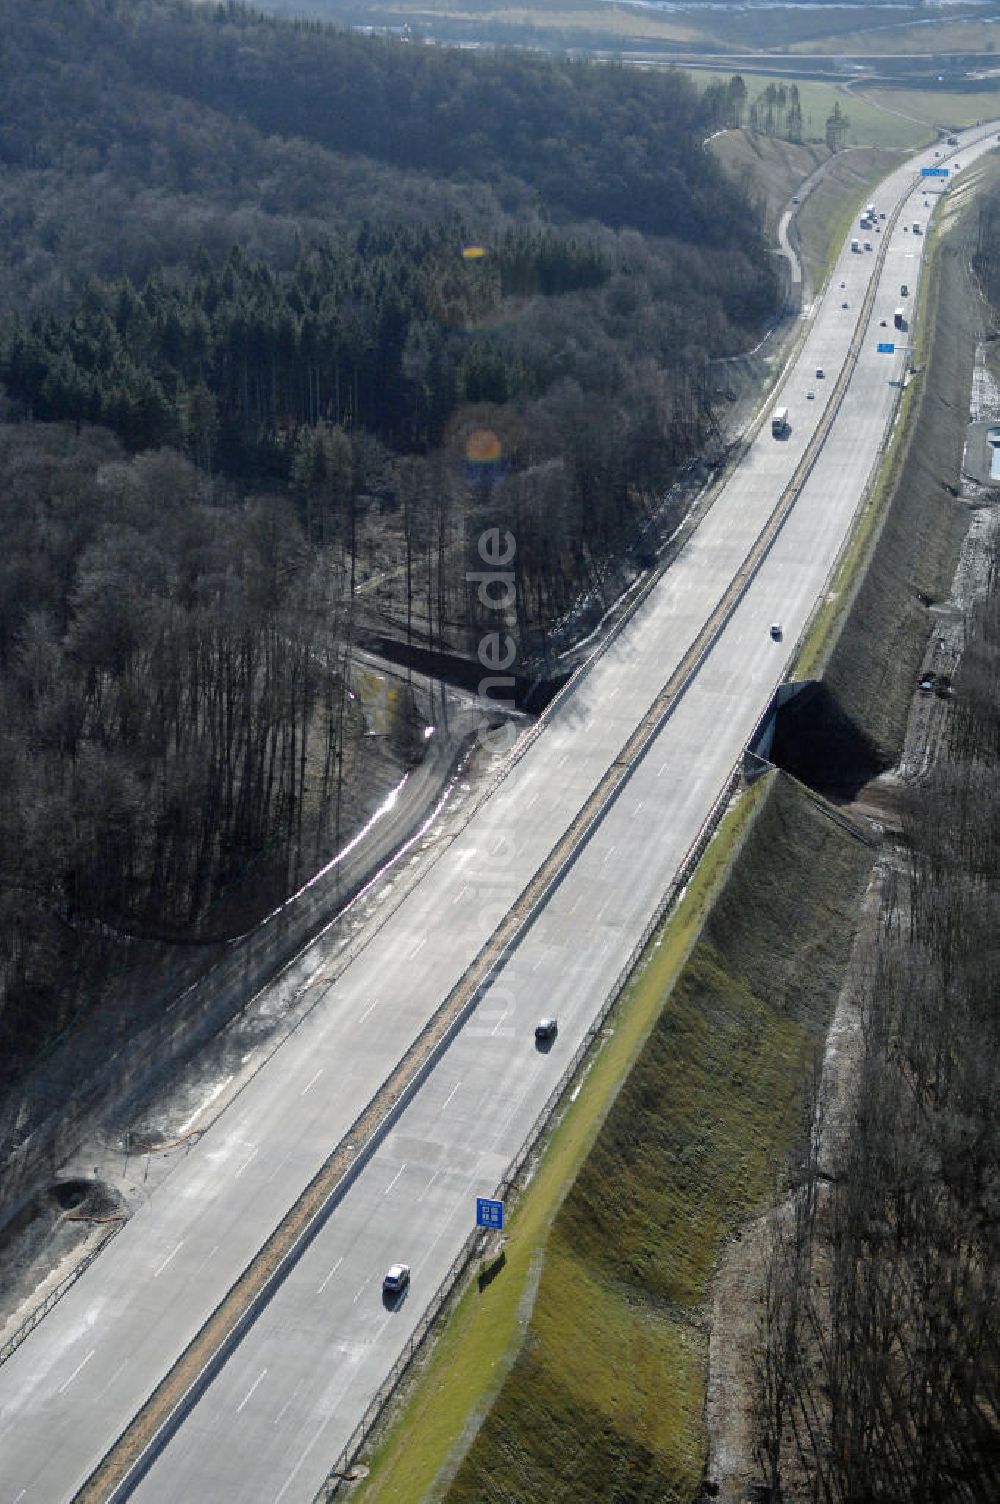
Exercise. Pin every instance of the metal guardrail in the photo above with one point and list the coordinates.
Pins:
(493, 956)
(144, 1437)
(57, 1292)
(477, 1239)
(874, 474)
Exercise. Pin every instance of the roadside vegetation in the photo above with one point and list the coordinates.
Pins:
(606, 1396)
(288, 318)
(628, 1261)
(766, 106)
(880, 1326)
(882, 1275)
(464, 1368)
(880, 1329)
(943, 108)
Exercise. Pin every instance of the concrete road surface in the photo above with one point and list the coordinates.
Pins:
(273, 1421)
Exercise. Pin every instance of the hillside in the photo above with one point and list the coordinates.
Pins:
(363, 301)
(226, 126)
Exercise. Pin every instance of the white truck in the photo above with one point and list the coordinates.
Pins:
(779, 422)
(855, 245)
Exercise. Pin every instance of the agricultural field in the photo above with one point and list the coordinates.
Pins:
(886, 123)
(952, 108)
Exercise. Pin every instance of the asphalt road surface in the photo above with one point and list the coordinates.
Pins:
(279, 1412)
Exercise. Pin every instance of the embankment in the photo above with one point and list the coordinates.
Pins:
(606, 1397)
(853, 728)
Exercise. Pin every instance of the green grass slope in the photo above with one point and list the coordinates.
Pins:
(605, 1399)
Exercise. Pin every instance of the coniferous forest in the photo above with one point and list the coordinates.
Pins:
(285, 313)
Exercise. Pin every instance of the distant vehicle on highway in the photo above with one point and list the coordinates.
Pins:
(952, 141)
(855, 245)
(868, 245)
(820, 373)
(843, 305)
(810, 396)
(899, 318)
(779, 422)
(904, 290)
(396, 1279)
(916, 227)
(795, 198)
(546, 1028)
(776, 631)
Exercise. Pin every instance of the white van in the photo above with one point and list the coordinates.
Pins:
(779, 422)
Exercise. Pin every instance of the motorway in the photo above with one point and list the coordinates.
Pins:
(272, 1422)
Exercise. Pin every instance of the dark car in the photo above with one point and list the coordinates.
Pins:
(546, 1028)
(776, 630)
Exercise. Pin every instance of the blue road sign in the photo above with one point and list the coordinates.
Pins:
(934, 172)
(489, 1213)
(885, 349)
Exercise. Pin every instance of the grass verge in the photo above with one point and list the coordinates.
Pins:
(605, 1399)
(469, 1361)
(824, 221)
(937, 107)
(599, 1392)
(868, 125)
